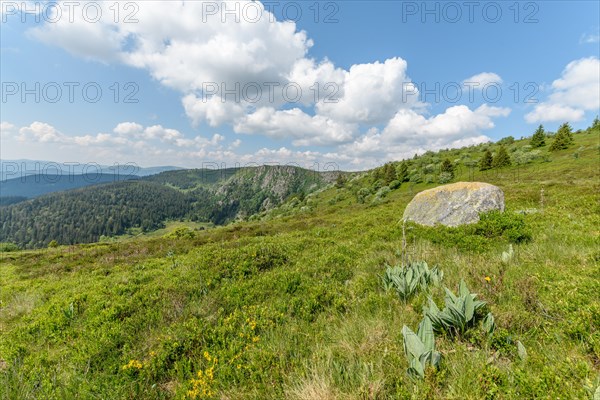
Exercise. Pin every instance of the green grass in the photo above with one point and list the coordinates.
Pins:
(291, 303)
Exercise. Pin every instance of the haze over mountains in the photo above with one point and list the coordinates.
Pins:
(11, 169)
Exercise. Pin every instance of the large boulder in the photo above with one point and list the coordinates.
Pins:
(454, 204)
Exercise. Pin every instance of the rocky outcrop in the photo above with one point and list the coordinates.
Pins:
(454, 204)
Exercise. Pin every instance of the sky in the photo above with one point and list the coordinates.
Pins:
(324, 85)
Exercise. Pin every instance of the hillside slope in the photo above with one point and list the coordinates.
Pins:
(291, 305)
(86, 214)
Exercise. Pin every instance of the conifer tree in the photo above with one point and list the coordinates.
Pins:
(539, 138)
(501, 159)
(563, 138)
(486, 161)
(402, 173)
(389, 173)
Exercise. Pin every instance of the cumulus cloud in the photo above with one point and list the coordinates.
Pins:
(236, 73)
(409, 132)
(40, 132)
(479, 81)
(295, 123)
(372, 93)
(574, 93)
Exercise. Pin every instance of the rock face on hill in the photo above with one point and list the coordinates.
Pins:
(455, 204)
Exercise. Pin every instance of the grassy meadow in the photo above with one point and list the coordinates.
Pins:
(290, 305)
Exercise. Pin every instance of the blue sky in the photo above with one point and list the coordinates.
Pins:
(372, 54)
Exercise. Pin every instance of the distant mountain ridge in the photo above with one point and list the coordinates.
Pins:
(31, 178)
(30, 186)
(11, 169)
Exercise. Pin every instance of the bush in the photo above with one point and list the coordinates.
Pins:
(5, 247)
(480, 236)
(503, 224)
(395, 184)
(416, 178)
(445, 177)
(362, 194)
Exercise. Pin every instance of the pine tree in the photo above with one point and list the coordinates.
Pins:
(402, 173)
(502, 159)
(389, 173)
(563, 138)
(340, 181)
(377, 174)
(486, 161)
(539, 138)
(448, 167)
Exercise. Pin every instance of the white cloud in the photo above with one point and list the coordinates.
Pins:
(6, 128)
(40, 132)
(214, 110)
(199, 55)
(576, 91)
(128, 128)
(479, 81)
(590, 38)
(303, 128)
(455, 122)
(553, 113)
(372, 93)
(409, 133)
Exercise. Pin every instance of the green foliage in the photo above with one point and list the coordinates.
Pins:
(340, 181)
(420, 348)
(539, 138)
(395, 184)
(486, 161)
(362, 194)
(492, 226)
(406, 280)
(53, 243)
(389, 173)
(507, 141)
(447, 166)
(402, 172)
(416, 178)
(6, 247)
(507, 224)
(563, 138)
(501, 159)
(460, 311)
(181, 233)
(445, 177)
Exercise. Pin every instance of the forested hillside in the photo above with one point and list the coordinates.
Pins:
(85, 215)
